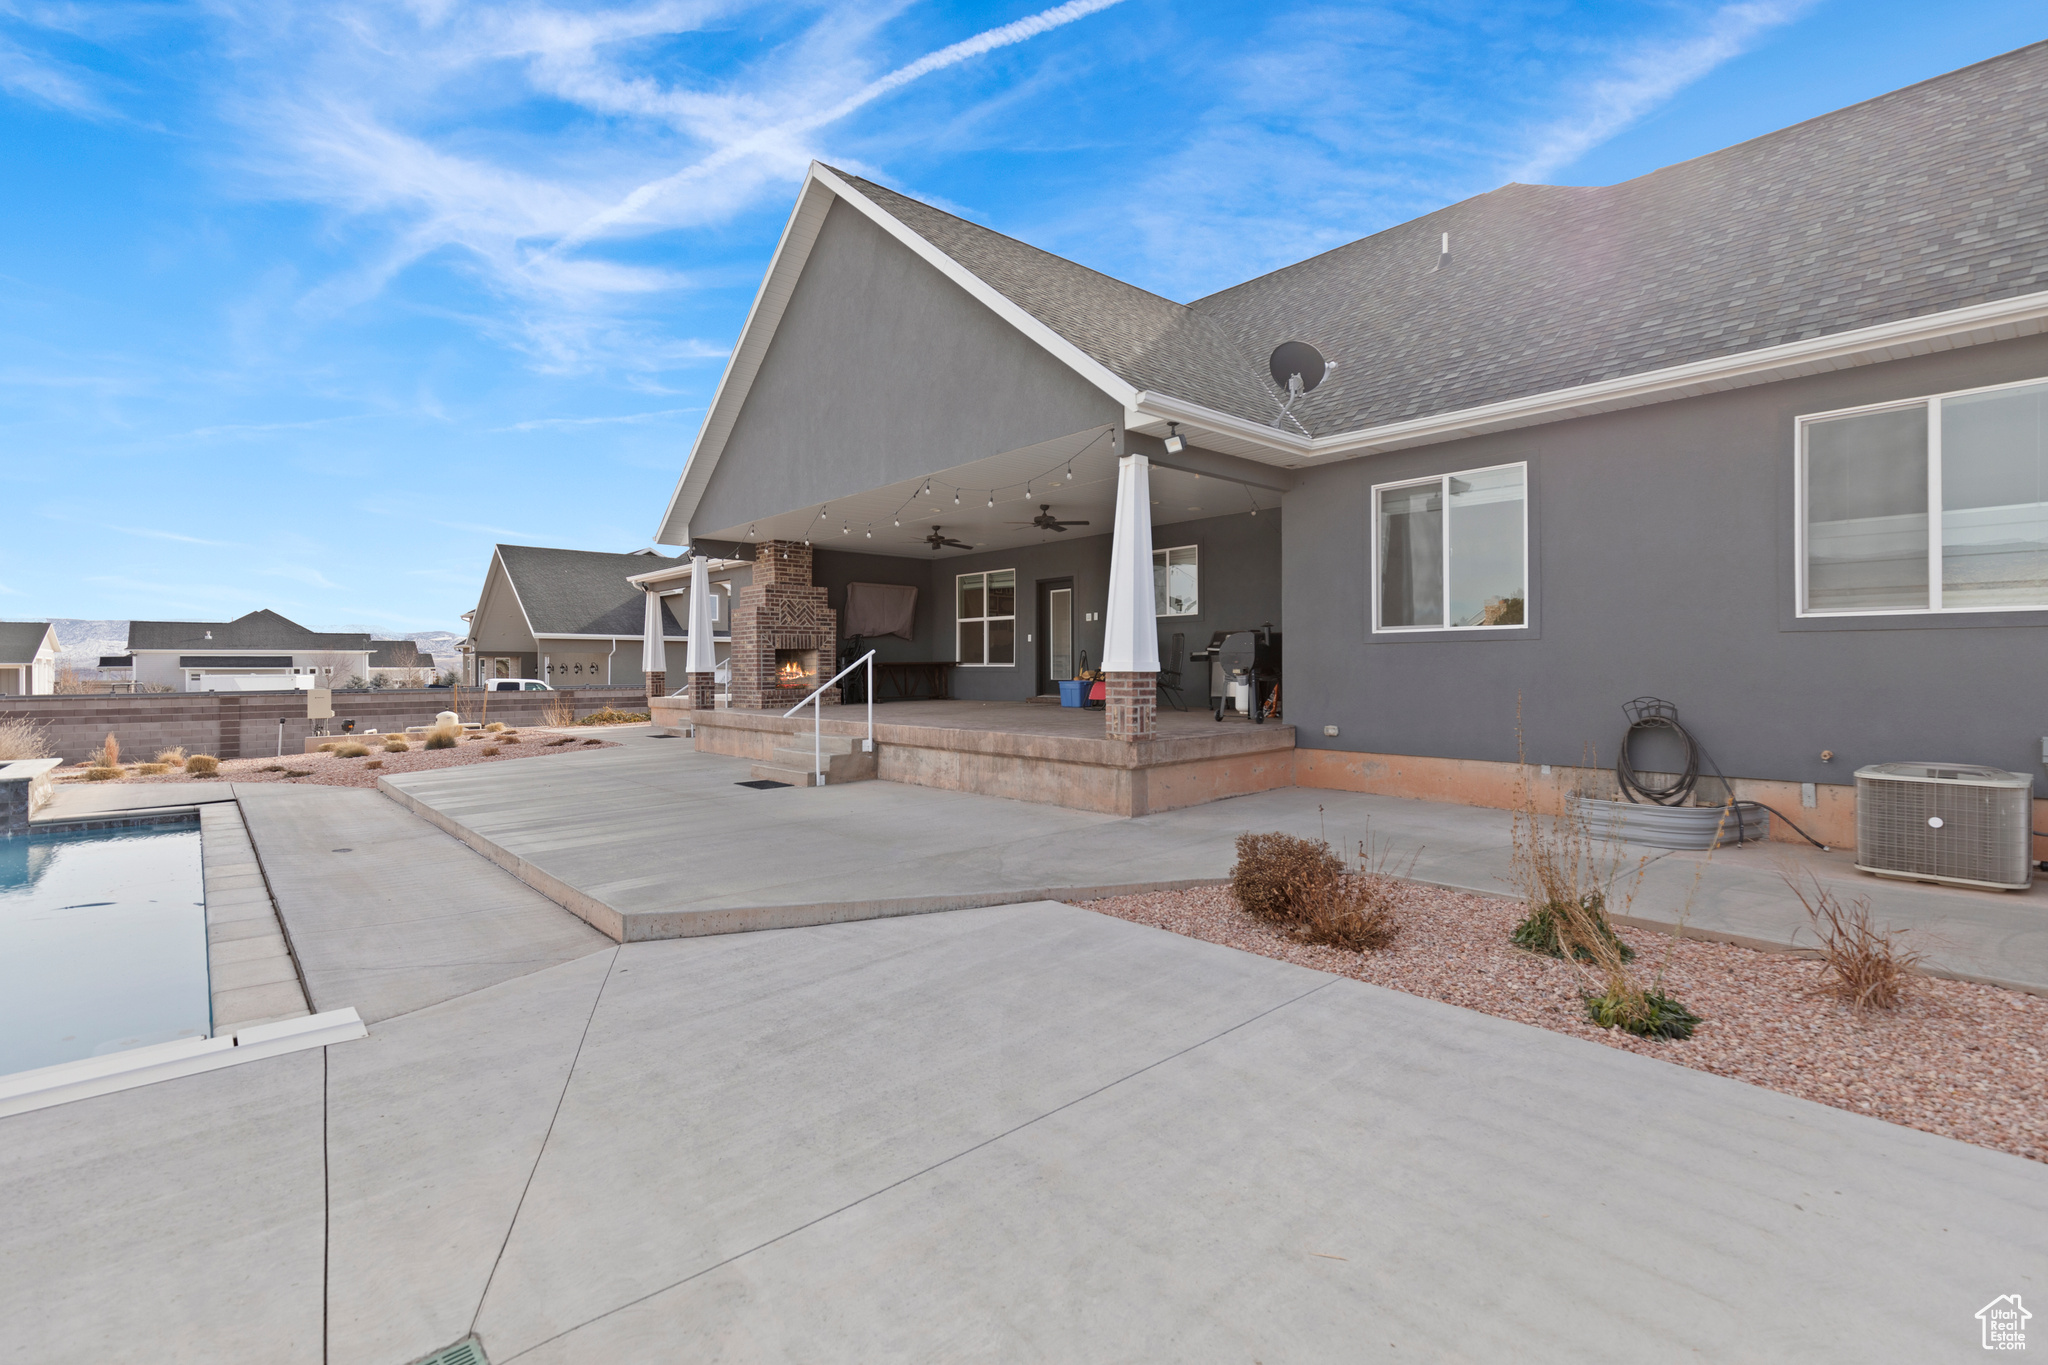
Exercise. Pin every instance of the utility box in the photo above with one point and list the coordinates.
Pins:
(319, 703)
(1946, 822)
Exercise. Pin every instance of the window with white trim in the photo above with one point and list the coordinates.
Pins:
(987, 613)
(1452, 552)
(1935, 505)
(1176, 582)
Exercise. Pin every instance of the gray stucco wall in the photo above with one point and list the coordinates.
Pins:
(833, 570)
(1661, 552)
(882, 370)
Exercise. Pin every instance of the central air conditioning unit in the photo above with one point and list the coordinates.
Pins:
(1946, 822)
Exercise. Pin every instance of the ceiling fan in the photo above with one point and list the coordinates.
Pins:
(1046, 521)
(939, 542)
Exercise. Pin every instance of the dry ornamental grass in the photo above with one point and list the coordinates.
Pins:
(326, 769)
(1958, 1059)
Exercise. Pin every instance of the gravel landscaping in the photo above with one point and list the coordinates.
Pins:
(1961, 1060)
(327, 770)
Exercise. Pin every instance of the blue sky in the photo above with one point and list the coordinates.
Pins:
(304, 306)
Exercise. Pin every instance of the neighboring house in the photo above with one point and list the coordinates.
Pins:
(28, 659)
(575, 617)
(260, 651)
(402, 663)
(1764, 433)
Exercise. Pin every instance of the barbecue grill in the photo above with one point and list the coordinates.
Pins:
(1251, 656)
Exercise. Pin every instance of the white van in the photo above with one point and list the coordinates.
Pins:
(515, 685)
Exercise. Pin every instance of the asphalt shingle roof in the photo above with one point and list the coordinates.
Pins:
(259, 630)
(19, 640)
(582, 592)
(1923, 200)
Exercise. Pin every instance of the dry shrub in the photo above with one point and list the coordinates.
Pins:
(202, 765)
(101, 774)
(607, 716)
(508, 738)
(351, 750)
(441, 739)
(558, 743)
(374, 763)
(298, 772)
(593, 741)
(1301, 885)
(21, 737)
(495, 726)
(560, 710)
(108, 755)
(152, 769)
(491, 751)
(1865, 965)
(394, 745)
(174, 757)
(329, 747)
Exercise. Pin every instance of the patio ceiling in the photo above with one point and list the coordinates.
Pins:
(894, 519)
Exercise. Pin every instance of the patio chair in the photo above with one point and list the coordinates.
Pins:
(1169, 676)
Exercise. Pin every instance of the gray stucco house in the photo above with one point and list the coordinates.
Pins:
(260, 650)
(1764, 433)
(573, 618)
(28, 659)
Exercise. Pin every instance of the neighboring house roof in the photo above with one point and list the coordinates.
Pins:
(1927, 199)
(257, 630)
(399, 654)
(21, 641)
(234, 661)
(580, 592)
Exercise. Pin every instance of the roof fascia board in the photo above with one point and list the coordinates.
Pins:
(799, 234)
(1065, 351)
(679, 571)
(2001, 320)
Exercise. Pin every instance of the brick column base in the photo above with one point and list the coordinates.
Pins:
(1131, 705)
(657, 684)
(703, 690)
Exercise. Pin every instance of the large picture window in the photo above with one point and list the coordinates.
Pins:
(1452, 551)
(1176, 582)
(987, 613)
(1937, 505)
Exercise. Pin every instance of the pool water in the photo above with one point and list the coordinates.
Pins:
(102, 943)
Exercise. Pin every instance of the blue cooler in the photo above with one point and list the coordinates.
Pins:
(1073, 692)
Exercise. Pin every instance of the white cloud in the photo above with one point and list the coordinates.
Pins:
(568, 423)
(150, 534)
(1648, 77)
(32, 76)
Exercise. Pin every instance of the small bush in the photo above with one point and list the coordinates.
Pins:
(508, 738)
(1275, 872)
(441, 739)
(351, 751)
(108, 755)
(174, 757)
(495, 726)
(329, 747)
(561, 710)
(152, 769)
(397, 746)
(374, 763)
(593, 741)
(101, 774)
(202, 765)
(491, 751)
(1647, 1014)
(1540, 932)
(21, 737)
(558, 743)
(610, 717)
(1865, 965)
(298, 772)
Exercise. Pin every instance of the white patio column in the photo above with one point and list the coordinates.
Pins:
(703, 653)
(653, 650)
(1130, 646)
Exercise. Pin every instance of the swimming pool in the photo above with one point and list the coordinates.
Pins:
(102, 943)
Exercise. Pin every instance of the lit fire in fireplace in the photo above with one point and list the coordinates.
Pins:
(790, 673)
(796, 668)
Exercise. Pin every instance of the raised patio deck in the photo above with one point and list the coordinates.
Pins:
(1027, 751)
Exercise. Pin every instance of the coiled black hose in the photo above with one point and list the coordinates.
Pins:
(1648, 714)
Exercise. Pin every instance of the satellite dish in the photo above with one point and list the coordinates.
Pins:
(1297, 360)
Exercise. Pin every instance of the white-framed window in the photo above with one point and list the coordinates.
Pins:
(1452, 552)
(1933, 505)
(986, 608)
(1177, 582)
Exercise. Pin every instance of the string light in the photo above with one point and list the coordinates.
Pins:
(750, 531)
(991, 497)
(927, 487)
(956, 497)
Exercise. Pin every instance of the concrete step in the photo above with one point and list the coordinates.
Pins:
(844, 764)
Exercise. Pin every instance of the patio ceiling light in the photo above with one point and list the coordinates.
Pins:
(991, 497)
(1175, 443)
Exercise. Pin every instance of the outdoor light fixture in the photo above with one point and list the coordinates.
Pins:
(1070, 472)
(750, 531)
(991, 503)
(1175, 442)
(927, 487)
(845, 528)
(956, 497)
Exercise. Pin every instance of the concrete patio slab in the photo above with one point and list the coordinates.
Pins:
(388, 914)
(436, 1122)
(177, 1222)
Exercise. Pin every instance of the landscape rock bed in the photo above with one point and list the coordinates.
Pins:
(329, 771)
(1962, 1060)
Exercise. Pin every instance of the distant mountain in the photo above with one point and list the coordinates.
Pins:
(80, 643)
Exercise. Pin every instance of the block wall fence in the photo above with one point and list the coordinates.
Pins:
(244, 724)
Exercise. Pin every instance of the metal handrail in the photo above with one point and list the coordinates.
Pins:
(818, 715)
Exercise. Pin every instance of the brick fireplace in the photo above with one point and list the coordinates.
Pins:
(784, 636)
